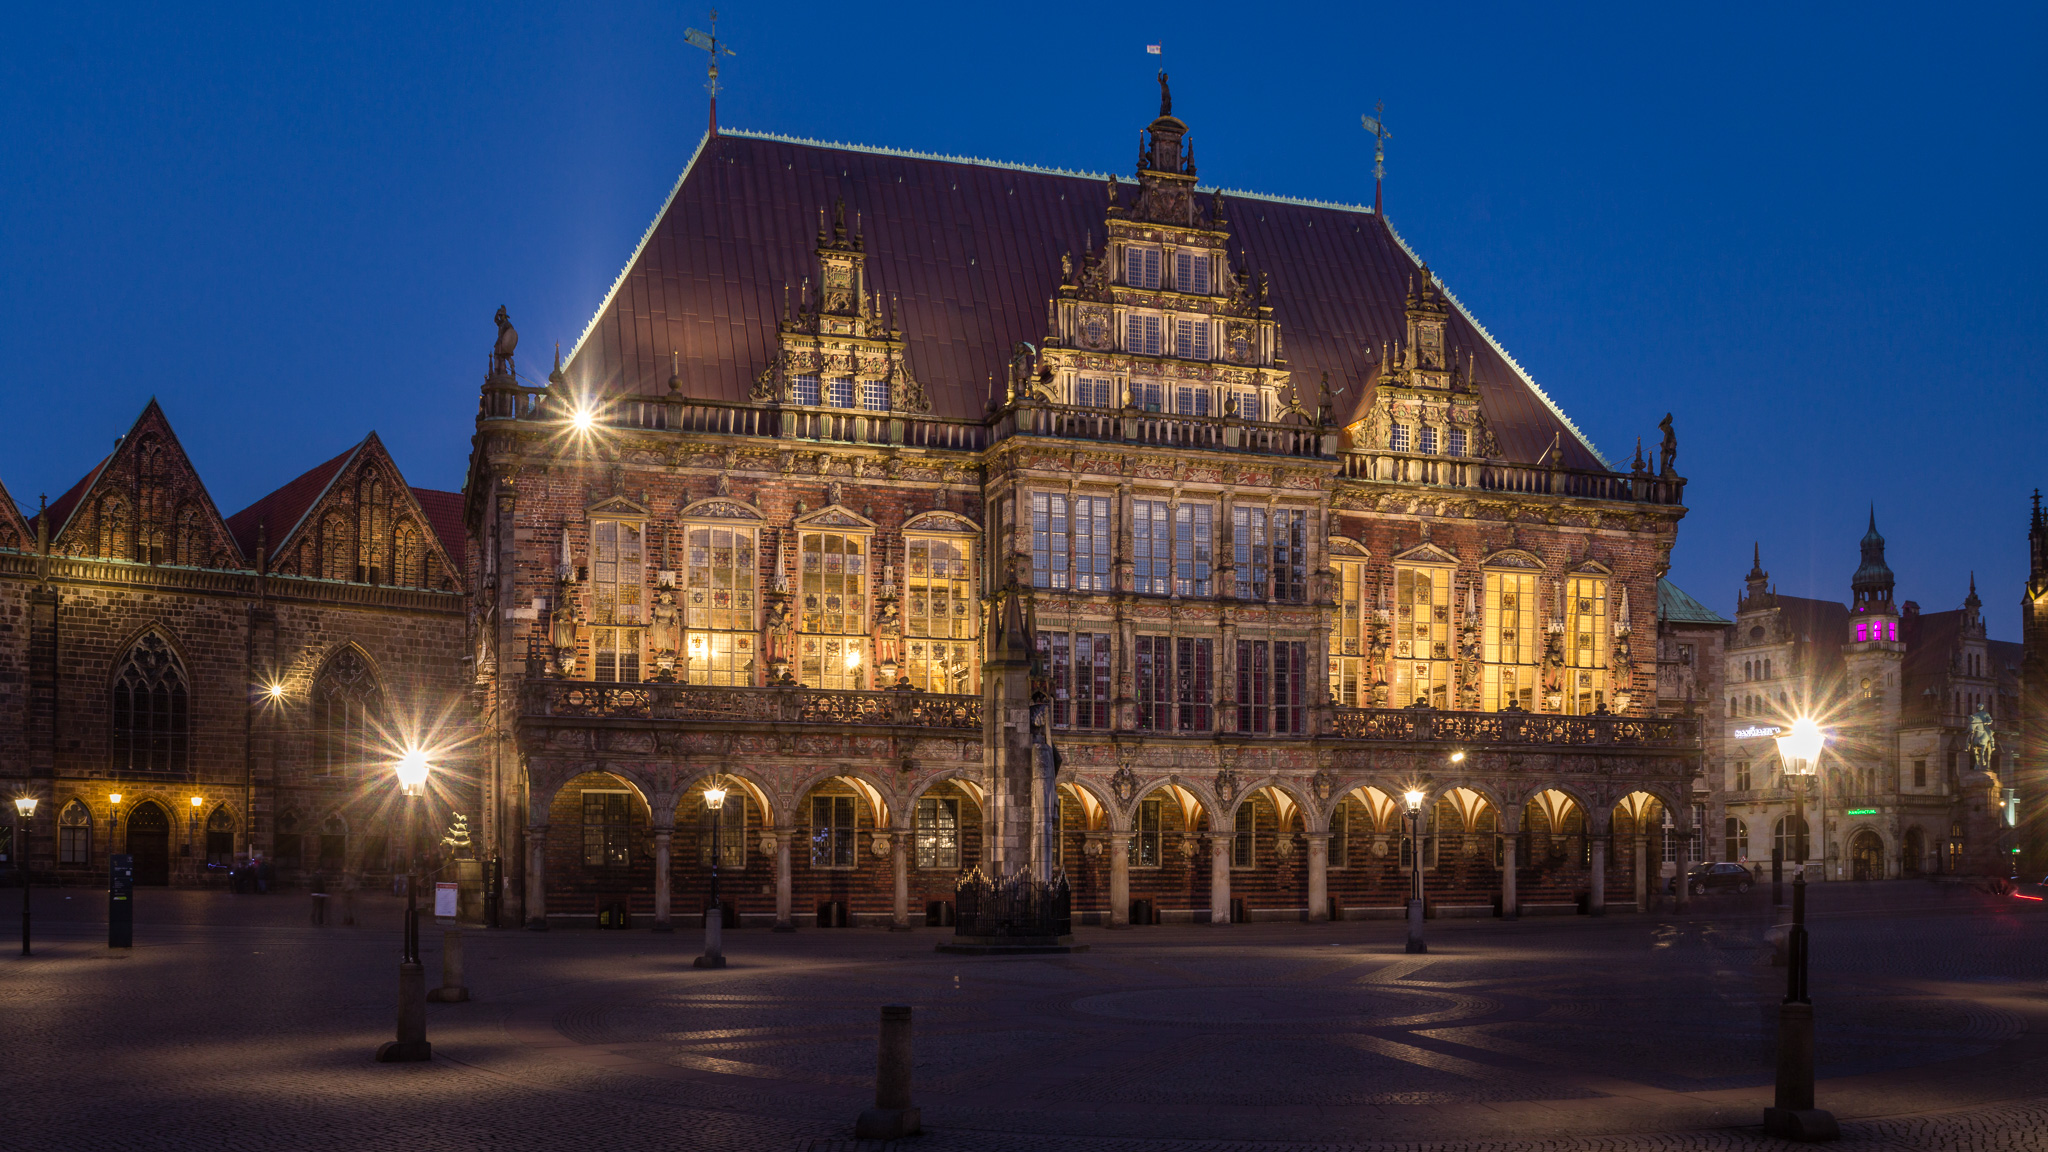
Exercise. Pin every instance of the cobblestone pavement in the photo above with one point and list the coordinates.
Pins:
(232, 1024)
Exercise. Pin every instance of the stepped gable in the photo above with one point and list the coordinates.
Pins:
(15, 532)
(144, 502)
(968, 252)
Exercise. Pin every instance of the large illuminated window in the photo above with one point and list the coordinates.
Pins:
(1078, 667)
(720, 573)
(1070, 541)
(1585, 644)
(1422, 636)
(1348, 638)
(833, 651)
(940, 620)
(1511, 647)
(151, 710)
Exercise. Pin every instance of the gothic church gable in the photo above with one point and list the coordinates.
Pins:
(145, 503)
(364, 526)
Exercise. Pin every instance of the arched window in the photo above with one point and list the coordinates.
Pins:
(152, 519)
(74, 836)
(188, 543)
(408, 557)
(373, 521)
(1791, 838)
(337, 553)
(114, 523)
(347, 705)
(220, 837)
(333, 844)
(151, 714)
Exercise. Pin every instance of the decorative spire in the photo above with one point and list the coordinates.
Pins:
(1377, 126)
(1971, 602)
(675, 371)
(1872, 584)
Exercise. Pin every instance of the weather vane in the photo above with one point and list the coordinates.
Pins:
(1380, 135)
(708, 41)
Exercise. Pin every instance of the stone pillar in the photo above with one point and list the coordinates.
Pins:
(537, 877)
(899, 860)
(778, 843)
(1119, 879)
(1597, 902)
(1642, 846)
(1681, 884)
(1510, 903)
(662, 836)
(1318, 877)
(1219, 877)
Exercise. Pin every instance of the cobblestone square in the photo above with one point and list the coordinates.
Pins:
(234, 1024)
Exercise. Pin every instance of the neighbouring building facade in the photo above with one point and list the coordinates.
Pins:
(1922, 712)
(2031, 773)
(872, 462)
(190, 690)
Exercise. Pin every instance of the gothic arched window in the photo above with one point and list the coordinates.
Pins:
(373, 522)
(188, 543)
(347, 704)
(151, 711)
(220, 837)
(113, 528)
(408, 557)
(337, 557)
(74, 835)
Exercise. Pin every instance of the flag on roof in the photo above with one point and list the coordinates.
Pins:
(1152, 49)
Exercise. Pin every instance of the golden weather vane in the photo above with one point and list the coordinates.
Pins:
(708, 41)
(1378, 127)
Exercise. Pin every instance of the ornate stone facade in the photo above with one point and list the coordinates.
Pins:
(833, 567)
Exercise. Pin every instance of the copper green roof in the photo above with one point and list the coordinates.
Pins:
(1674, 605)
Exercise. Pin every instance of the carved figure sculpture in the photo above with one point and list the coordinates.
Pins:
(1668, 453)
(664, 631)
(508, 340)
(1983, 740)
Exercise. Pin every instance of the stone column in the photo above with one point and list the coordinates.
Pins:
(1318, 877)
(778, 843)
(1510, 903)
(662, 835)
(899, 860)
(1219, 877)
(1597, 903)
(1119, 879)
(1681, 884)
(1642, 846)
(537, 877)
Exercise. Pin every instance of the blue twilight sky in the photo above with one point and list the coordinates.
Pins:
(1804, 229)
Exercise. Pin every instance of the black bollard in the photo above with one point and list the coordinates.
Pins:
(893, 1116)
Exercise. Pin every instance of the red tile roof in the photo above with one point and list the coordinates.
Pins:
(444, 514)
(280, 512)
(60, 511)
(972, 251)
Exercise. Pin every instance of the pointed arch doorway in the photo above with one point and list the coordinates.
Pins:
(1866, 856)
(149, 842)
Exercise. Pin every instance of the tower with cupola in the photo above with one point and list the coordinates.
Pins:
(1873, 651)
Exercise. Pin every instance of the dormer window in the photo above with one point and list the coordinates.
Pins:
(804, 389)
(1248, 406)
(874, 395)
(1455, 442)
(1093, 392)
(1191, 272)
(1191, 401)
(1144, 334)
(1428, 446)
(1141, 267)
(1191, 339)
(840, 392)
(1397, 441)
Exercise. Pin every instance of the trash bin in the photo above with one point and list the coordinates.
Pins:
(1237, 912)
(832, 914)
(1336, 909)
(320, 909)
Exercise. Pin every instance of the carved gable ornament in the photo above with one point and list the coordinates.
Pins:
(615, 506)
(1593, 568)
(1426, 554)
(720, 510)
(1511, 558)
(936, 521)
(1345, 546)
(836, 516)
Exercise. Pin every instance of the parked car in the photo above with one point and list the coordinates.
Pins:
(1716, 877)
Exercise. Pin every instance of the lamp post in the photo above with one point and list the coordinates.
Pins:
(714, 913)
(1415, 943)
(192, 833)
(411, 1045)
(1794, 1117)
(26, 806)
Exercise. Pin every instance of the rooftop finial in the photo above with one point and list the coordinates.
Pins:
(1165, 95)
(1378, 127)
(708, 41)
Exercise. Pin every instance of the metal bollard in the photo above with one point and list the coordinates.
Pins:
(320, 909)
(452, 989)
(411, 1044)
(893, 1116)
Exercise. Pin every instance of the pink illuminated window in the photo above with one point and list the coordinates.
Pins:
(1862, 632)
(1892, 631)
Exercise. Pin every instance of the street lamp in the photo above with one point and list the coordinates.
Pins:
(26, 806)
(1414, 798)
(714, 914)
(411, 1045)
(1794, 1116)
